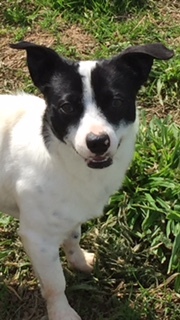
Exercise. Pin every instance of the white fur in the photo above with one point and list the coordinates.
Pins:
(54, 192)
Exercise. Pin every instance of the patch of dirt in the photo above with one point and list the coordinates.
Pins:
(76, 37)
(161, 111)
(13, 66)
(170, 19)
(13, 58)
(13, 62)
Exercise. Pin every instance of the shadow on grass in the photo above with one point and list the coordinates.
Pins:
(20, 302)
(17, 303)
(104, 295)
(110, 7)
(23, 13)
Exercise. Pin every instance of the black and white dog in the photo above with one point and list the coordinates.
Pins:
(62, 157)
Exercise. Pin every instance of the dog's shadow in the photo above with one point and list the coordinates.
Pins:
(25, 303)
(90, 296)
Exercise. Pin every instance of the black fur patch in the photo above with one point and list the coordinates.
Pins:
(65, 87)
(115, 88)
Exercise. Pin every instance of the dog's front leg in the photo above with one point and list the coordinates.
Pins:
(76, 256)
(44, 255)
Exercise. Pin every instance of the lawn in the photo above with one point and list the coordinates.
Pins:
(137, 240)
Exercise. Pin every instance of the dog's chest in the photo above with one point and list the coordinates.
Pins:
(77, 200)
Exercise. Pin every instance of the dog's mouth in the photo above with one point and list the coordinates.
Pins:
(99, 162)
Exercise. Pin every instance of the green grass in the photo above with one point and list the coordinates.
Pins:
(137, 240)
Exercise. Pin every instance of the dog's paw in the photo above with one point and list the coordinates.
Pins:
(82, 260)
(90, 261)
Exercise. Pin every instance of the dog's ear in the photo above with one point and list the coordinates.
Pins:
(42, 62)
(140, 58)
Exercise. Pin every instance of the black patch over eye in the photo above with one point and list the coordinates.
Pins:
(67, 108)
(117, 103)
(114, 92)
(64, 102)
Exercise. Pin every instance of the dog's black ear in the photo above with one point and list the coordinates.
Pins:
(42, 62)
(140, 58)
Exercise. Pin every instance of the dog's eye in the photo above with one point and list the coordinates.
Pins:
(67, 108)
(117, 103)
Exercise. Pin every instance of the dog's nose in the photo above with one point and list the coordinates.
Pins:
(98, 143)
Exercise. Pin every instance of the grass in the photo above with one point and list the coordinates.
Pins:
(137, 240)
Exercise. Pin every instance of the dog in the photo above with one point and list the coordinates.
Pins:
(62, 157)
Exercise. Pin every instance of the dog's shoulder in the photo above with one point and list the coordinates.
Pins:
(20, 116)
(14, 107)
(20, 126)
(19, 101)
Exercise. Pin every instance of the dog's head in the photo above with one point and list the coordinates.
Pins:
(91, 104)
